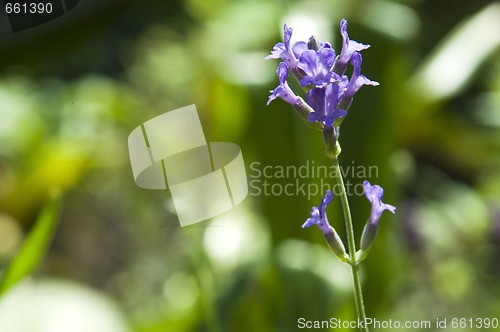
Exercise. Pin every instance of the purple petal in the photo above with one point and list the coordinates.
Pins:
(343, 28)
(314, 116)
(326, 58)
(315, 213)
(307, 62)
(306, 80)
(323, 225)
(299, 48)
(358, 83)
(309, 222)
(348, 48)
(318, 215)
(282, 72)
(287, 34)
(278, 49)
(374, 194)
(328, 197)
(324, 103)
(344, 81)
(325, 45)
(354, 46)
(331, 98)
(284, 92)
(272, 96)
(324, 202)
(330, 120)
(389, 208)
(316, 99)
(331, 101)
(369, 82)
(282, 50)
(356, 60)
(357, 80)
(316, 66)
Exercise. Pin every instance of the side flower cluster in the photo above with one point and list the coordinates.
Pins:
(322, 74)
(374, 194)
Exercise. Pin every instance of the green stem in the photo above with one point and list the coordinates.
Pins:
(358, 293)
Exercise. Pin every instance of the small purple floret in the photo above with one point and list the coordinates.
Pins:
(357, 80)
(324, 103)
(348, 49)
(374, 194)
(285, 53)
(316, 65)
(318, 215)
(283, 90)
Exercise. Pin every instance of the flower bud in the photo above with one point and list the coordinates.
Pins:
(336, 245)
(330, 138)
(312, 44)
(368, 236)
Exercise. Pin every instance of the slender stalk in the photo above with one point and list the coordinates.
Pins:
(358, 293)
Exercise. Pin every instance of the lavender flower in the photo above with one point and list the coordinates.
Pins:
(316, 65)
(348, 49)
(324, 103)
(374, 194)
(282, 50)
(318, 215)
(356, 82)
(283, 90)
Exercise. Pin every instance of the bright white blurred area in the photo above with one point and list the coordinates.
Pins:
(453, 63)
(392, 19)
(236, 237)
(58, 306)
(305, 26)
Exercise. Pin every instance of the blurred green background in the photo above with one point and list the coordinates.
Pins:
(82, 248)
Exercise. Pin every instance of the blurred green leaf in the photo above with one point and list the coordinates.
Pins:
(34, 247)
(452, 64)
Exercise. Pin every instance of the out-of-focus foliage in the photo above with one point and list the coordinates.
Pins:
(431, 129)
(33, 247)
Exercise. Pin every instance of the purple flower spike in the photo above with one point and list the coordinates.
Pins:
(283, 90)
(282, 50)
(357, 80)
(316, 66)
(324, 103)
(348, 49)
(374, 195)
(318, 215)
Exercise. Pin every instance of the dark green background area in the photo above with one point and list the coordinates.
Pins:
(72, 89)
